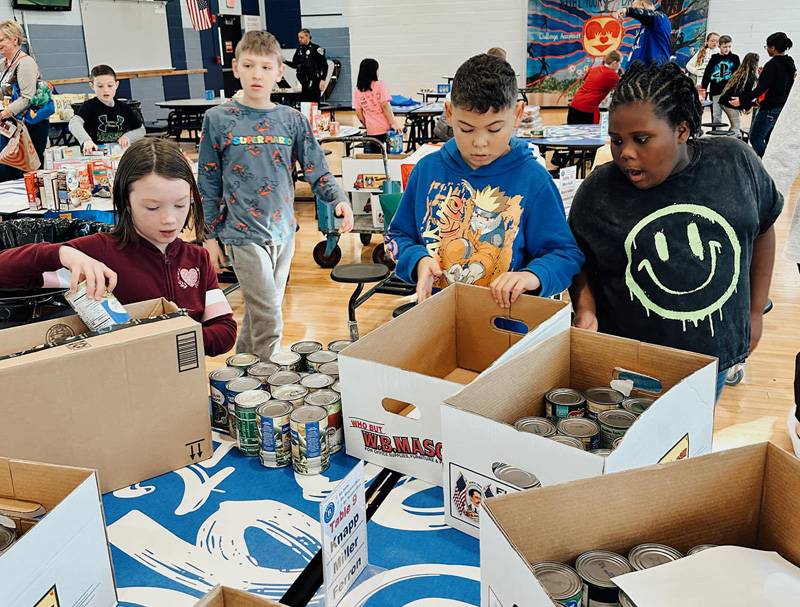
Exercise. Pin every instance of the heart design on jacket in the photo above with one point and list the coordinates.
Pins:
(189, 277)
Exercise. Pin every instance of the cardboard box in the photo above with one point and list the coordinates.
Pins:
(744, 497)
(357, 173)
(222, 596)
(64, 558)
(478, 422)
(132, 403)
(394, 380)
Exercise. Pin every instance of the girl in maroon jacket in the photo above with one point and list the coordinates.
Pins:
(155, 198)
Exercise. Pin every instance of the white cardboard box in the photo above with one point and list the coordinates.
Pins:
(64, 558)
(742, 497)
(478, 422)
(395, 379)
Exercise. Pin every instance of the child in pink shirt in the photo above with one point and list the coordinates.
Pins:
(371, 102)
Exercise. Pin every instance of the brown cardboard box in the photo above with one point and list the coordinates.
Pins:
(131, 403)
(222, 596)
(745, 497)
(66, 553)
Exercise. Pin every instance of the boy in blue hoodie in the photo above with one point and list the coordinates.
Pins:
(481, 210)
(654, 41)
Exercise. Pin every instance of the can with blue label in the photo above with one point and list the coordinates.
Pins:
(219, 401)
(274, 430)
(309, 428)
(209, 95)
(394, 142)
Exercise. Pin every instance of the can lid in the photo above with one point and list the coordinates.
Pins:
(275, 408)
(617, 418)
(309, 413)
(285, 358)
(306, 347)
(597, 567)
(321, 357)
(559, 581)
(601, 452)
(517, 477)
(700, 548)
(339, 345)
(625, 600)
(251, 399)
(289, 392)
(316, 381)
(335, 387)
(226, 374)
(645, 556)
(638, 405)
(243, 360)
(604, 396)
(323, 398)
(263, 369)
(579, 427)
(570, 441)
(242, 384)
(535, 425)
(7, 537)
(565, 396)
(331, 368)
(283, 378)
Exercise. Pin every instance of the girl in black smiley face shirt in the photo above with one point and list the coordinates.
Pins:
(677, 231)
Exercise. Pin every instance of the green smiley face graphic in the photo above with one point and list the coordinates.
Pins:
(696, 238)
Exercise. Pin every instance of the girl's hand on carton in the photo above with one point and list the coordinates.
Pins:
(507, 287)
(428, 271)
(344, 211)
(89, 146)
(216, 255)
(98, 276)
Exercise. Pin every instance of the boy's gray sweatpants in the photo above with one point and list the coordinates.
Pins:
(263, 271)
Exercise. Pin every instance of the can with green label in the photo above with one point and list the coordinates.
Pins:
(247, 436)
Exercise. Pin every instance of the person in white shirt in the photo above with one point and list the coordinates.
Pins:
(697, 64)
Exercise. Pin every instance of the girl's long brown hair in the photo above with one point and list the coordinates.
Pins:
(701, 56)
(746, 72)
(146, 157)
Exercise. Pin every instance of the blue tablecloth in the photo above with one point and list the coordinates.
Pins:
(228, 520)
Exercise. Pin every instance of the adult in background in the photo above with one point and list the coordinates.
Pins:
(774, 85)
(654, 41)
(21, 69)
(311, 66)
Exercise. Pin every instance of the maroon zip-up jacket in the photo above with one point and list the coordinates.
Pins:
(183, 275)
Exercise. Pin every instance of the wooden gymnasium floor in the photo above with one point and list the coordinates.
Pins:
(316, 308)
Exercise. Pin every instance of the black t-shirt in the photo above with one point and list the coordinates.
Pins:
(718, 71)
(107, 124)
(671, 265)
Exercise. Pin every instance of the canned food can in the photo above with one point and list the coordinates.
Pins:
(596, 568)
(700, 548)
(283, 378)
(97, 314)
(242, 361)
(617, 442)
(585, 430)
(274, 432)
(263, 371)
(536, 425)
(614, 423)
(287, 361)
(339, 345)
(316, 381)
(7, 538)
(232, 389)
(246, 404)
(335, 387)
(625, 600)
(521, 479)
(645, 556)
(564, 402)
(602, 452)
(332, 403)
(217, 380)
(637, 405)
(313, 361)
(561, 583)
(309, 429)
(602, 399)
(304, 348)
(295, 394)
(331, 368)
(570, 441)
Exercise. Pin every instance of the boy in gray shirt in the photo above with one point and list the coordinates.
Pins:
(247, 152)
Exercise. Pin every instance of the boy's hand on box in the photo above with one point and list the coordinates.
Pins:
(344, 211)
(98, 276)
(428, 271)
(215, 253)
(507, 287)
(124, 141)
(89, 147)
(585, 319)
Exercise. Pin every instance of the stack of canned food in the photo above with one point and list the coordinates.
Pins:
(594, 420)
(589, 582)
(286, 410)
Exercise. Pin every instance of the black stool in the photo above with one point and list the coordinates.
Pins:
(358, 274)
(403, 309)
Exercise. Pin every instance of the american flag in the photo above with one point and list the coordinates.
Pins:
(200, 14)
(460, 495)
